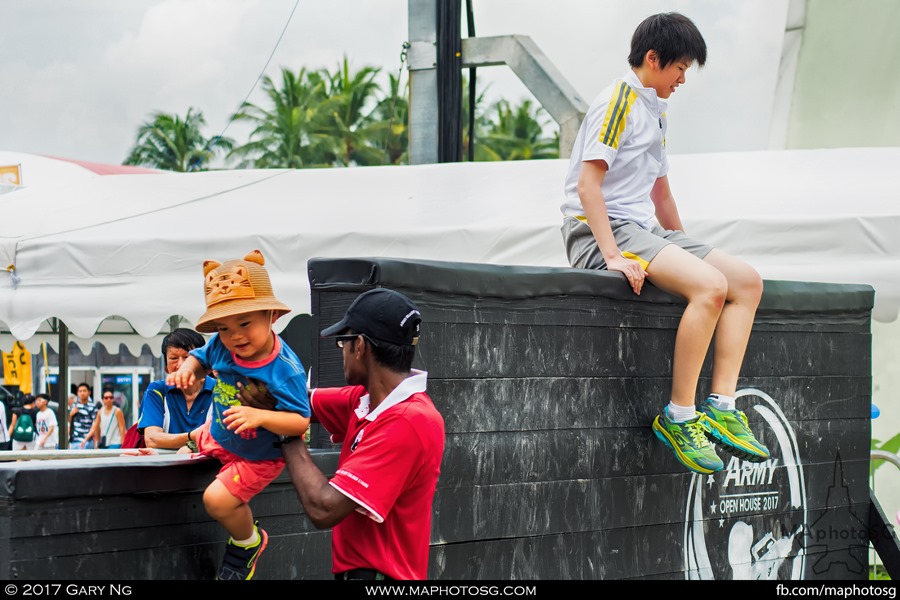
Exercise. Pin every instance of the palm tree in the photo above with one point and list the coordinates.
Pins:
(174, 144)
(480, 127)
(294, 133)
(390, 129)
(517, 133)
(350, 108)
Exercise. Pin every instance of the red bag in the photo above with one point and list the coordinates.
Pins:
(133, 438)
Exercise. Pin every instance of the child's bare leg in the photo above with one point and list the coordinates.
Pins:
(745, 288)
(232, 513)
(705, 289)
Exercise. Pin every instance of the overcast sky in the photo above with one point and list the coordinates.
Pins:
(80, 77)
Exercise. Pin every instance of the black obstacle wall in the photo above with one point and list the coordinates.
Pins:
(548, 380)
(142, 518)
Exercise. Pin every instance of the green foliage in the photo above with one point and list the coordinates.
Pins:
(315, 119)
(291, 133)
(351, 123)
(482, 123)
(878, 573)
(389, 129)
(174, 144)
(507, 132)
(892, 445)
(340, 118)
(517, 133)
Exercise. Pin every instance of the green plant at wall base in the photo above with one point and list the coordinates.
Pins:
(877, 572)
(892, 445)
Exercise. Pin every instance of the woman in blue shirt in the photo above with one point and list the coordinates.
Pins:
(168, 413)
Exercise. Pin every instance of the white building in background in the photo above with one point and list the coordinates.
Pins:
(839, 86)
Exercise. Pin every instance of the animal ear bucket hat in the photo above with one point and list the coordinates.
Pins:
(235, 287)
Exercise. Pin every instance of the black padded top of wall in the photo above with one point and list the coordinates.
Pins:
(118, 475)
(483, 280)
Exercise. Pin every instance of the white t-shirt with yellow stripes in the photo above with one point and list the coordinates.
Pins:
(626, 127)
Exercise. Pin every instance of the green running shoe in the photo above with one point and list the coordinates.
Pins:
(689, 442)
(729, 429)
(240, 562)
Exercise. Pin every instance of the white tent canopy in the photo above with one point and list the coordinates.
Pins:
(116, 257)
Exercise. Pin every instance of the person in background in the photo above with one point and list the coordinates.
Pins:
(5, 440)
(168, 414)
(379, 501)
(47, 425)
(109, 425)
(81, 419)
(70, 404)
(26, 406)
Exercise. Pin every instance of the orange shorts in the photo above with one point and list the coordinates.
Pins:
(243, 478)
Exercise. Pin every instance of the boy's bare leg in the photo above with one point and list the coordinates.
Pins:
(239, 561)
(722, 295)
(705, 288)
(745, 288)
(232, 513)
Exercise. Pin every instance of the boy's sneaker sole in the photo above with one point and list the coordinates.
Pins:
(714, 462)
(745, 449)
(240, 563)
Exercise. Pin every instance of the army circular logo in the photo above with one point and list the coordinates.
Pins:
(755, 510)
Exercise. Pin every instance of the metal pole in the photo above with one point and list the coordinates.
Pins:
(423, 84)
(62, 385)
(540, 76)
(887, 456)
(449, 81)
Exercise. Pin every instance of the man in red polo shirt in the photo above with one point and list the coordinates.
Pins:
(379, 501)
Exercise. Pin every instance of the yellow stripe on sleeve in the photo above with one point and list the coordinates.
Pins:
(622, 99)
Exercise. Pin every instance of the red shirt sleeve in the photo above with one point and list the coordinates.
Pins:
(333, 406)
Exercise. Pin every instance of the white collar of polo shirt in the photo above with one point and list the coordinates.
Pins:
(656, 104)
(414, 384)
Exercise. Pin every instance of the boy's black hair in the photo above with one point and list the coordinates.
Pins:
(183, 339)
(672, 35)
(42, 395)
(83, 384)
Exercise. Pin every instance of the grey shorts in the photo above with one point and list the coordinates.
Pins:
(634, 242)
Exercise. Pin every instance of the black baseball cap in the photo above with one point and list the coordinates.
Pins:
(382, 314)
